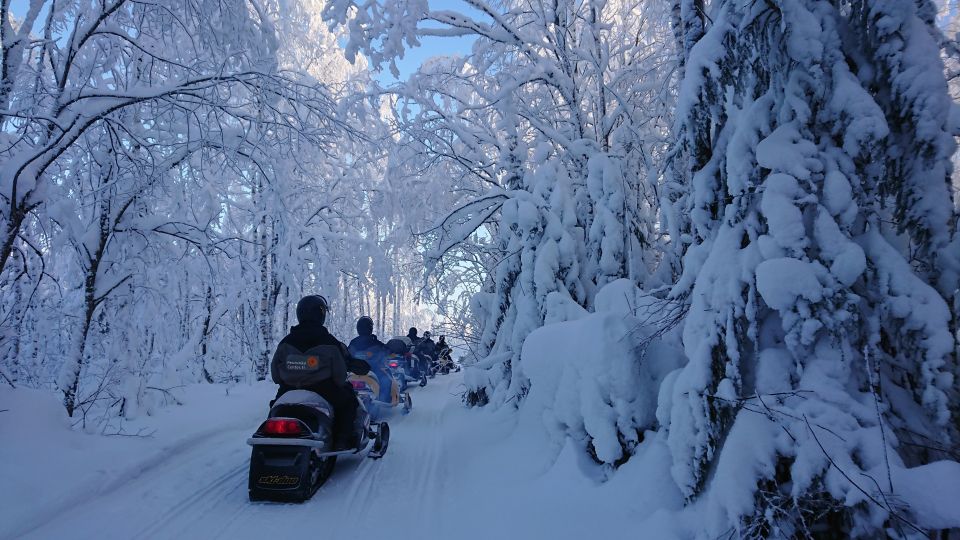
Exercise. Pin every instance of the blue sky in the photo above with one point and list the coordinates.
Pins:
(433, 46)
(429, 47)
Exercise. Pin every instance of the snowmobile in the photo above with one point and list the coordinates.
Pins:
(368, 390)
(430, 365)
(397, 365)
(403, 364)
(446, 364)
(293, 453)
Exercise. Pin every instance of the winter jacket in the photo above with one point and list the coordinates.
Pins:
(443, 348)
(365, 343)
(316, 342)
(427, 347)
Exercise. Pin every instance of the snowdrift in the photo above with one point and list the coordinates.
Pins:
(595, 379)
(48, 467)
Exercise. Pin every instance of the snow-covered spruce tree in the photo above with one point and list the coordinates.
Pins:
(821, 357)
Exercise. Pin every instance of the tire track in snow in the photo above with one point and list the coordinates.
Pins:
(361, 491)
(116, 482)
(192, 504)
(431, 485)
(199, 490)
(418, 453)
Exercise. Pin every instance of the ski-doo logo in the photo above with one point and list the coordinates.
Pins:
(278, 480)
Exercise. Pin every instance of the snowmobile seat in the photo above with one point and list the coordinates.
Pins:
(307, 406)
(399, 345)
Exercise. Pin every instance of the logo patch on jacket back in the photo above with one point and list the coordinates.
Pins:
(296, 362)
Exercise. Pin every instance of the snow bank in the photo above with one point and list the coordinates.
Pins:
(514, 479)
(596, 378)
(48, 468)
(931, 491)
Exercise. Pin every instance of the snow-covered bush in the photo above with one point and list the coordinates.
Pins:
(595, 379)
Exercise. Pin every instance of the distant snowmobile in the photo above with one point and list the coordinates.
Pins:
(293, 451)
(446, 364)
(368, 390)
(403, 364)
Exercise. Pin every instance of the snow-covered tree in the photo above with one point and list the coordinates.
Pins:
(815, 160)
(553, 129)
(178, 177)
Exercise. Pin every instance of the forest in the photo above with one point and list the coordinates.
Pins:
(732, 226)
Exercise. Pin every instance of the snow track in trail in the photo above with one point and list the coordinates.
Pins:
(199, 490)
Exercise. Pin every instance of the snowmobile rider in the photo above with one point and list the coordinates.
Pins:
(442, 347)
(414, 342)
(367, 347)
(311, 337)
(426, 347)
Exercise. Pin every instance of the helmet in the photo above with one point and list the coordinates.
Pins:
(312, 309)
(364, 326)
(426, 335)
(413, 332)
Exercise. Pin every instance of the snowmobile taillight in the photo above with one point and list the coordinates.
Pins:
(284, 427)
(394, 364)
(359, 385)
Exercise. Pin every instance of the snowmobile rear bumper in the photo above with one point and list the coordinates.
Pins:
(271, 441)
(308, 443)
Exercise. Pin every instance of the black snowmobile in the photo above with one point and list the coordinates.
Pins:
(293, 452)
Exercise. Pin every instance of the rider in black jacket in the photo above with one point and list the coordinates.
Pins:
(311, 334)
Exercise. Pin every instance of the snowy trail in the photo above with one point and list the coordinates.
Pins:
(451, 473)
(200, 490)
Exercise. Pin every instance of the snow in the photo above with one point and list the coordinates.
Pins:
(50, 469)
(623, 297)
(932, 492)
(450, 472)
(838, 196)
(784, 219)
(787, 151)
(847, 259)
(595, 379)
(784, 280)
(796, 227)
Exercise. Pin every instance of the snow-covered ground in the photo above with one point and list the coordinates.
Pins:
(450, 473)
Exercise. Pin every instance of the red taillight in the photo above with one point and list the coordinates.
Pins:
(394, 364)
(281, 426)
(358, 385)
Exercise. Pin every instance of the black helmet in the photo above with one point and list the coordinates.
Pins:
(426, 335)
(413, 332)
(312, 309)
(364, 326)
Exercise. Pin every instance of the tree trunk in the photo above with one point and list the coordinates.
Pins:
(263, 356)
(71, 378)
(205, 335)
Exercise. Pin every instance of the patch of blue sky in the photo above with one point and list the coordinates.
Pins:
(432, 46)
